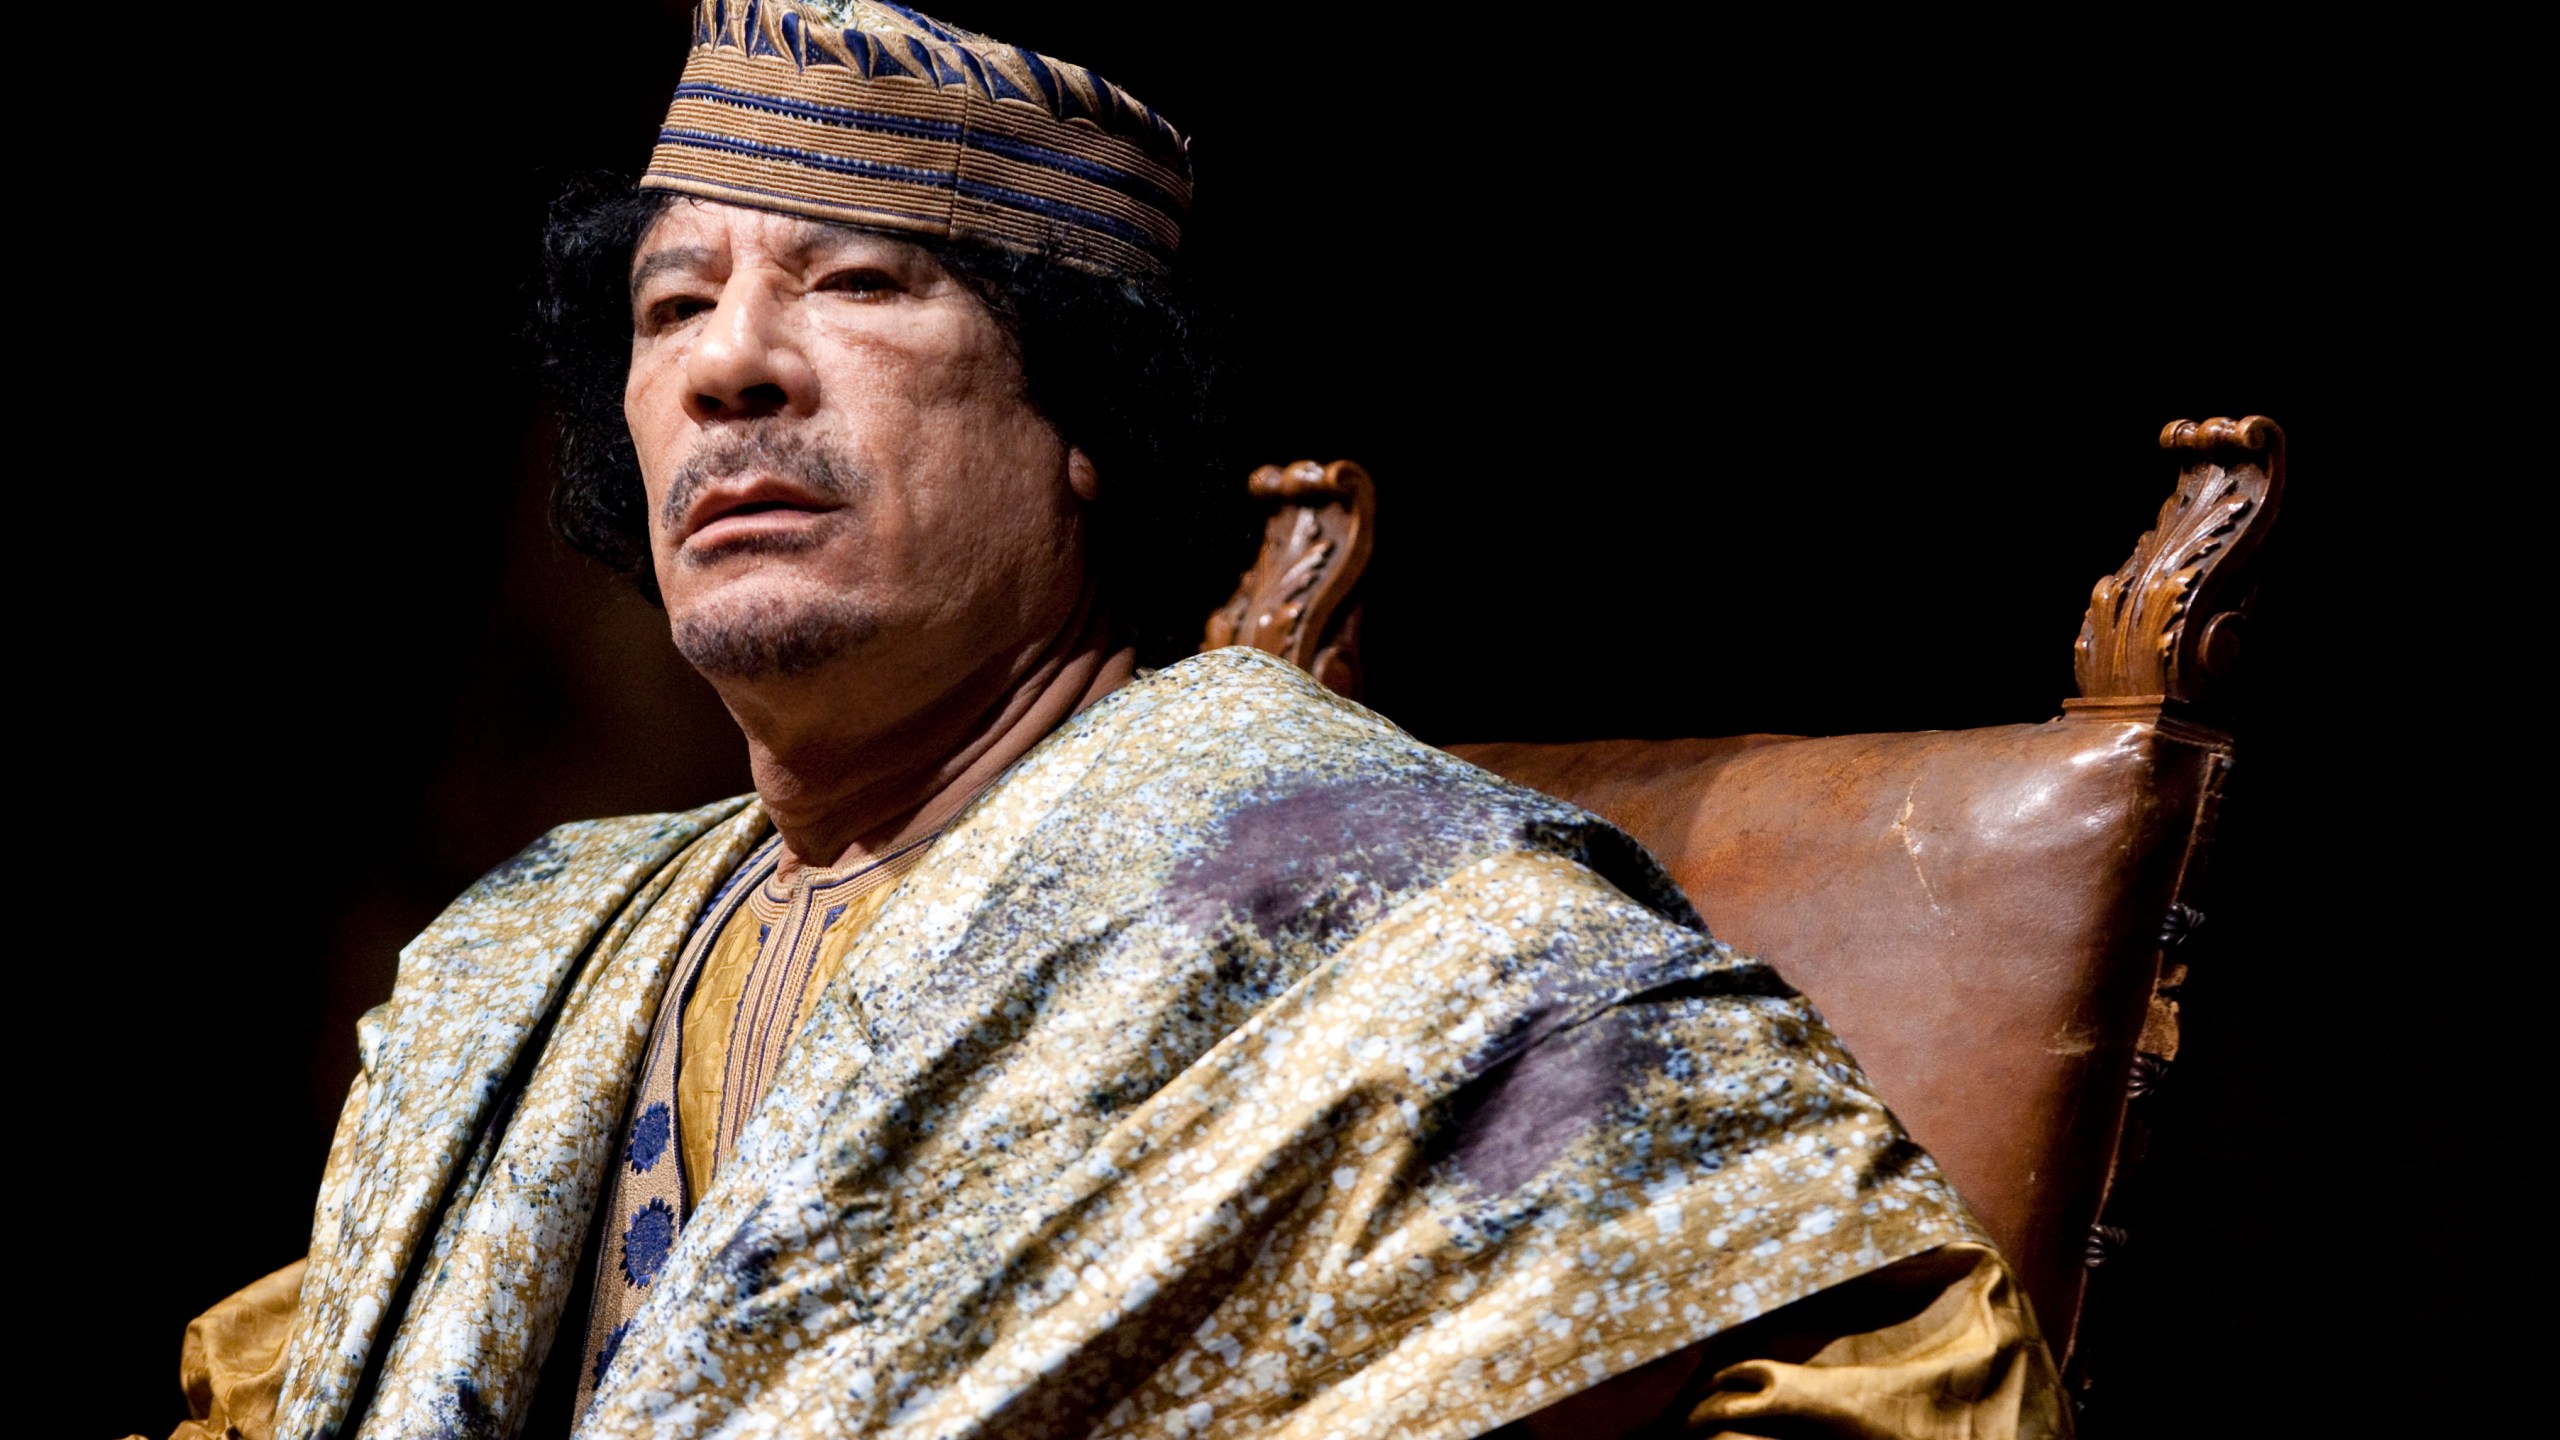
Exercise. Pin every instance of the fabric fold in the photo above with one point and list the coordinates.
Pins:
(435, 1106)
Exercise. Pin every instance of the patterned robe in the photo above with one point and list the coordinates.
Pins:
(1236, 1065)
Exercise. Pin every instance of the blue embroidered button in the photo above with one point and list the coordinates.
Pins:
(649, 1136)
(646, 1243)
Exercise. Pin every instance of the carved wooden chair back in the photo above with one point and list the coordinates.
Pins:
(1990, 918)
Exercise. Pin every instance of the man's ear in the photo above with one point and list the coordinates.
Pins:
(1082, 478)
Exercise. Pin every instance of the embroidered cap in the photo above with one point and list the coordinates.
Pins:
(874, 115)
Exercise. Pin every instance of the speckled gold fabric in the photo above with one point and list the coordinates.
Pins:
(473, 1142)
(1236, 1066)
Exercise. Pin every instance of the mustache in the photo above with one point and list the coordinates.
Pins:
(825, 472)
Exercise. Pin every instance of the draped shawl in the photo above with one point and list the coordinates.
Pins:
(1237, 1065)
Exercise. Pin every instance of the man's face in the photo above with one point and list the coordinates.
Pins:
(840, 458)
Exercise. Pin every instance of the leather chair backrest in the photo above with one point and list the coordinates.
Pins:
(1986, 917)
(1976, 912)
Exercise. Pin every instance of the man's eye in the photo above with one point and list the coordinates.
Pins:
(861, 280)
(673, 311)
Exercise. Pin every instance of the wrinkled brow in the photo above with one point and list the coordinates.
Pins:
(806, 240)
(674, 257)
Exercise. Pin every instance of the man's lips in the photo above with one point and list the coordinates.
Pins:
(735, 509)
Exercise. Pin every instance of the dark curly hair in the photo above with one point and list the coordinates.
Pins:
(1120, 366)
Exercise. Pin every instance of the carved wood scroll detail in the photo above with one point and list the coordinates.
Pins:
(2159, 647)
(2167, 627)
(1299, 601)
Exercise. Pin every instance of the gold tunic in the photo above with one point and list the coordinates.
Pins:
(772, 958)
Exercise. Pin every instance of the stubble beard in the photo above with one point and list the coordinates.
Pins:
(772, 637)
(789, 625)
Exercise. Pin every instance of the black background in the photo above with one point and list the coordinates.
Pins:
(1714, 381)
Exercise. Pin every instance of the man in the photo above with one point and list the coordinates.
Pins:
(1051, 1046)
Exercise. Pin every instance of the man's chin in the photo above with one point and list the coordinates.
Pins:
(734, 636)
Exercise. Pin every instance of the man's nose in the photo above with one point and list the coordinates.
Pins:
(747, 362)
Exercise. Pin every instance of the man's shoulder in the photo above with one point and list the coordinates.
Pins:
(1235, 724)
(525, 922)
(544, 902)
(581, 853)
(1252, 769)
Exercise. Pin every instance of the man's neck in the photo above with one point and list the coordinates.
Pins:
(848, 792)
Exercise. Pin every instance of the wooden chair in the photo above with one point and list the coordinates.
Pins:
(1990, 918)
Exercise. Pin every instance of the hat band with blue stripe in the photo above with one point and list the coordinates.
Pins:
(874, 115)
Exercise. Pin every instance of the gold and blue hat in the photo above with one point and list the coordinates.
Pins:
(871, 114)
